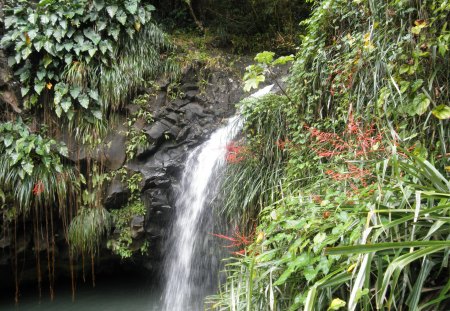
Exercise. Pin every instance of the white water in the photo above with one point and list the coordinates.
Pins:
(191, 266)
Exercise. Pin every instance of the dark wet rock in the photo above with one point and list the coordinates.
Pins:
(158, 129)
(137, 227)
(191, 95)
(117, 194)
(189, 87)
(114, 150)
(178, 103)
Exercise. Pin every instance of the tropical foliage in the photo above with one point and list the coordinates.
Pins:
(77, 64)
(346, 173)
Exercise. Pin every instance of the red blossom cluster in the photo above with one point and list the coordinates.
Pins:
(237, 240)
(354, 173)
(355, 140)
(235, 153)
(38, 188)
(281, 144)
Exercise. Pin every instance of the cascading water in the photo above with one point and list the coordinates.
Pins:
(191, 267)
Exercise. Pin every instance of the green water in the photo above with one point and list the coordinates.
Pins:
(124, 294)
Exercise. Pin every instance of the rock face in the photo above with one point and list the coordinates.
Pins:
(179, 125)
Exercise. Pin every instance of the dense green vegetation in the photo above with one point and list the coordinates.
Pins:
(78, 63)
(339, 183)
(241, 25)
(345, 175)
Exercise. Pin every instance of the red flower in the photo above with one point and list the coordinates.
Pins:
(235, 153)
(38, 188)
(237, 240)
(281, 144)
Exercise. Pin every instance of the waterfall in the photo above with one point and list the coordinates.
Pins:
(191, 265)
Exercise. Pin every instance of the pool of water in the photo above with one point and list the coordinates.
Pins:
(111, 294)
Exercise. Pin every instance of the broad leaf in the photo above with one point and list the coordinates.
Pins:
(121, 17)
(75, 91)
(264, 57)
(97, 114)
(442, 112)
(421, 103)
(253, 83)
(336, 304)
(131, 6)
(38, 87)
(99, 4)
(28, 167)
(92, 35)
(84, 101)
(66, 104)
(41, 74)
(112, 9)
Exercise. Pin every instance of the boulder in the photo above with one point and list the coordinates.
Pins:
(137, 227)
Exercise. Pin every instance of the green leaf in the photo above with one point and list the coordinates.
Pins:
(310, 273)
(369, 248)
(11, 61)
(47, 60)
(336, 304)
(58, 111)
(38, 45)
(68, 58)
(53, 19)
(68, 46)
(58, 34)
(92, 35)
(26, 52)
(112, 9)
(10, 21)
(283, 60)
(8, 140)
(25, 76)
(101, 25)
(63, 150)
(49, 47)
(66, 104)
(99, 4)
(150, 7)
(15, 157)
(84, 101)
(32, 18)
(41, 74)
(92, 51)
(299, 262)
(142, 16)
(442, 112)
(93, 94)
(264, 57)
(75, 91)
(421, 103)
(103, 47)
(28, 167)
(44, 19)
(114, 32)
(97, 114)
(131, 6)
(63, 24)
(38, 87)
(404, 69)
(416, 85)
(121, 16)
(253, 83)
(24, 91)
